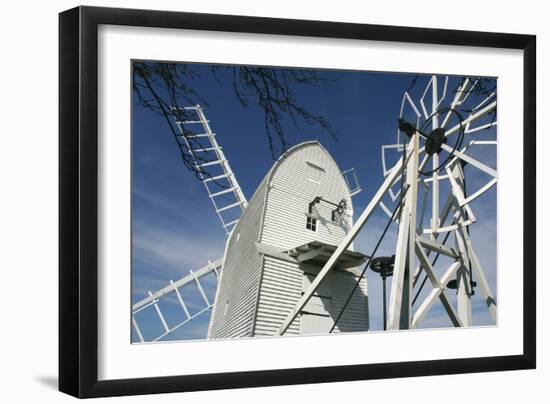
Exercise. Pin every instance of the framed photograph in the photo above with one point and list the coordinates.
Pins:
(251, 201)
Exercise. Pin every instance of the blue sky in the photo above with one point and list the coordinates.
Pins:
(175, 228)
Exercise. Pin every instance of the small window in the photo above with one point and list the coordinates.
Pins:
(311, 224)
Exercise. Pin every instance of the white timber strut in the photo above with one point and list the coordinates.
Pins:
(463, 281)
(401, 288)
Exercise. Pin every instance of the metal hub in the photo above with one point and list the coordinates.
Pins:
(434, 141)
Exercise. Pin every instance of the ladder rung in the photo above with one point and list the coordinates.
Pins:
(218, 177)
(226, 225)
(199, 135)
(210, 163)
(206, 149)
(225, 191)
(189, 122)
(229, 206)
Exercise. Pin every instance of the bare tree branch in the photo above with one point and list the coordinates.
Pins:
(165, 88)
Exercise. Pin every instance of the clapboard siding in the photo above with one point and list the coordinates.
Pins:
(356, 314)
(237, 293)
(326, 305)
(292, 188)
(277, 299)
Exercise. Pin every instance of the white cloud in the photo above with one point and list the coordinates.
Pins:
(174, 251)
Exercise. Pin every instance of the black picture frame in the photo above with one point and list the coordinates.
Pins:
(78, 201)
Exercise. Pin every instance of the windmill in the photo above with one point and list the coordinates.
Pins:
(436, 147)
(213, 169)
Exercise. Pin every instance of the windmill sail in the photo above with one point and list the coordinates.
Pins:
(193, 280)
(211, 165)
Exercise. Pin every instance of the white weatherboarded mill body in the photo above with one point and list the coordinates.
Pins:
(280, 243)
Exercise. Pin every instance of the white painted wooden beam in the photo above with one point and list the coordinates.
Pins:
(488, 295)
(314, 252)
(438, 247)
(401, 287)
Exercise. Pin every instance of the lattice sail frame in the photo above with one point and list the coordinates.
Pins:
(414, 241)
(193, 279)
(211, 165)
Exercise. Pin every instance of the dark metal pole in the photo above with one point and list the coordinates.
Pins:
(384, 298)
